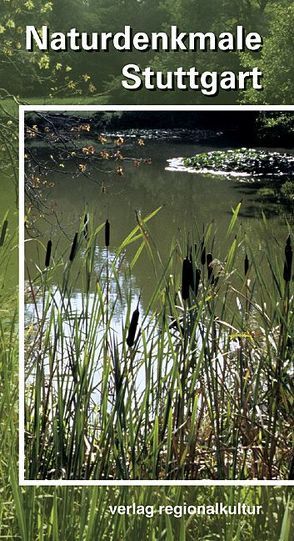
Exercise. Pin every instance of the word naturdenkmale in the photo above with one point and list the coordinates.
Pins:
(135, 78)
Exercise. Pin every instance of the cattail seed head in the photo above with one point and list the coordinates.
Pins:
(187, 278)
(288, 260)
(107, 233)
(191, 255)
(3, 232)
(246, 265)
(197, 280)
(48, 253)
(74, 246)
(209, 260)
(133, 328)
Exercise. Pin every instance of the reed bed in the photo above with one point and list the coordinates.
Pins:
(66, 513)
(195, 384)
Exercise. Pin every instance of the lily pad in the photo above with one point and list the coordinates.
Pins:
(243, 161)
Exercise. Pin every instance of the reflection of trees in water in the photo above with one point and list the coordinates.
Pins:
(112, 274)
(115, 277)
(66, 145)
(188, 201)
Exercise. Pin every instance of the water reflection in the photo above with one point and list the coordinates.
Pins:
(81, 323)
(188, 203)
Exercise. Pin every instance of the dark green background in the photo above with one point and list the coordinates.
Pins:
(85, 76)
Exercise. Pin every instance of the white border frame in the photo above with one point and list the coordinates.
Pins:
(38, 108)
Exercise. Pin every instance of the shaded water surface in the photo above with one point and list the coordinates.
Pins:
(188, 201)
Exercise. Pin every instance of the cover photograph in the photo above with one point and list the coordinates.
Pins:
(146, 233)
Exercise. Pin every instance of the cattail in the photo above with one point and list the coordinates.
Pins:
(288, 260)
(107, 233)
(209, 266)
(74, 246)
(203, 254)
(48, 253)
(133, 328)
(187, 278)
(86, 222)
(246, 265)
(3, 232)
(191, 269)
(197, 280)
(191, 255)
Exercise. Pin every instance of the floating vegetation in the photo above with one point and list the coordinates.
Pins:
(253, 162)
(239, 162)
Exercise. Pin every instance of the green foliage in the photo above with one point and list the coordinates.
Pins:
(287, 190)
(276, 59)
(276, 128)
(76, 513)
(51, 75)
(38, 72)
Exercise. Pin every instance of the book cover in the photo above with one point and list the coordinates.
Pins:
(146, 270)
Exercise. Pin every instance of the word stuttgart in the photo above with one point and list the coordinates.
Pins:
(135, 78)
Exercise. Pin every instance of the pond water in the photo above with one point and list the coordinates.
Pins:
(187, 201)
(78, 337)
